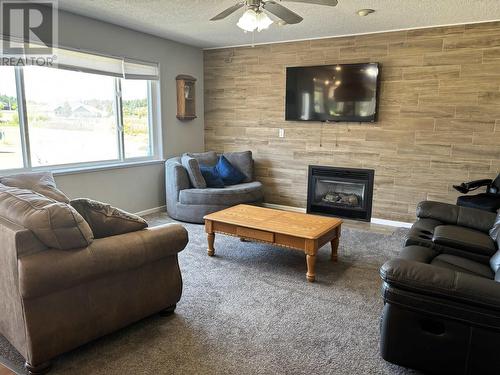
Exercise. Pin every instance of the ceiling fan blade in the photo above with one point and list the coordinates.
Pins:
(227, 12)
(330, 3)
(281, 12)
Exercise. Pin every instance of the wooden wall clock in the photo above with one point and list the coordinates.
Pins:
(186, 99)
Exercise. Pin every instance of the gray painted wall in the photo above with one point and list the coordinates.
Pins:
(137, 188)
(133, 189)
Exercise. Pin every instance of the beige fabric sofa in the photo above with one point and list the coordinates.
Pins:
(53, 300)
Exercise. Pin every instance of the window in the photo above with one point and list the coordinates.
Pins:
(71, 116)
(136, 118)
(76, 116)
(11, 155)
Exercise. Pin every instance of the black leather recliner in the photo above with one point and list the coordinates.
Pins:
(441, 295)
(489, 200)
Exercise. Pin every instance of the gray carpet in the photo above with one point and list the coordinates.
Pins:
(249, 310)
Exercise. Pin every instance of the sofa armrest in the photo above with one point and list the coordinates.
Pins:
(52, 270)
(176, 179)
(441, 282)
(171, 238)
(457, 215)
(20, 240)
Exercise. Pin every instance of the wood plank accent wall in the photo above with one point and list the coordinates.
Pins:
(439, 114)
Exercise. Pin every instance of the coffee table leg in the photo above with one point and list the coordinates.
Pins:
(335, 247)
(311, 267)
(211, 239)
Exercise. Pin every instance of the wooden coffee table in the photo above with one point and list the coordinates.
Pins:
(293, 230)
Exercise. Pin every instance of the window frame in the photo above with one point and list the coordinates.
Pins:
(155, 145)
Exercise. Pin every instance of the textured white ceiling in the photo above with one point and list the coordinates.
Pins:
(187, 21)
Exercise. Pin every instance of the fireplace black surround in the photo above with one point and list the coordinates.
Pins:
(340, 192)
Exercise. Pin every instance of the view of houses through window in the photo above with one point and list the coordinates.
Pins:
(71, 117)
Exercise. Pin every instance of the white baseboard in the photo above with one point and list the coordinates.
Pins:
(284, 208)
(391, 223)
(151, 211)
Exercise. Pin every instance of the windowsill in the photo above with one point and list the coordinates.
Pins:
(97, 168)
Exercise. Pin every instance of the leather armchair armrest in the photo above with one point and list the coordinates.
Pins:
(430, 280)
(457, 215)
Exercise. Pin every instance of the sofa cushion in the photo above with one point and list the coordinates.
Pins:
(230, 174)
(228, 196)
(243, 161)
(57, 225)
(495, 230)
(464, 265)
(464, 239)
(106, 220)
(211, 176)
(209, 158)
(193, 169)
(456, 215)
(40, 182)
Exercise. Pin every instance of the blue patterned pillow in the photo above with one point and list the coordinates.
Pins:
(229, 173)
(211, 176)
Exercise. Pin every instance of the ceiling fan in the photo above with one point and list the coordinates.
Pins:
(255, 17)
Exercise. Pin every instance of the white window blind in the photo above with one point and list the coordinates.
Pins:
(133, 69)
(113, 66)
(87, 62)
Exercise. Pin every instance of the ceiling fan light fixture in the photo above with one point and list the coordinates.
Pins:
(263, 21)
(253, 20)
(248, 21)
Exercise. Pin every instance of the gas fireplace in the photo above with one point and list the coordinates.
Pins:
(340, 192)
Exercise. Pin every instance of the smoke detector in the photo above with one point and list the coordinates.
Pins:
(365, 12)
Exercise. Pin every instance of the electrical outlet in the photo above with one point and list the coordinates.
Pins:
(281, 133)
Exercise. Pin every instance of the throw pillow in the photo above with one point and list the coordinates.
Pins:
(193, 169)
(57, 225)
(211, 176)
(243, 161)
(41, 182)
(229, 173)
(495, 261)
(495, 230)
(106, 220)
(206, 158)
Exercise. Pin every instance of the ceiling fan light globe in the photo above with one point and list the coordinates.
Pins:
(248, 21)
(263, 21)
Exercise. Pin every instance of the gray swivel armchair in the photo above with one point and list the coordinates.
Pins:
(189, 204)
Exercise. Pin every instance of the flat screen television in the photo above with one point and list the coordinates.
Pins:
(344, 92)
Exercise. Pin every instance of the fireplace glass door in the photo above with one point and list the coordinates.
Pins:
(339, 193)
